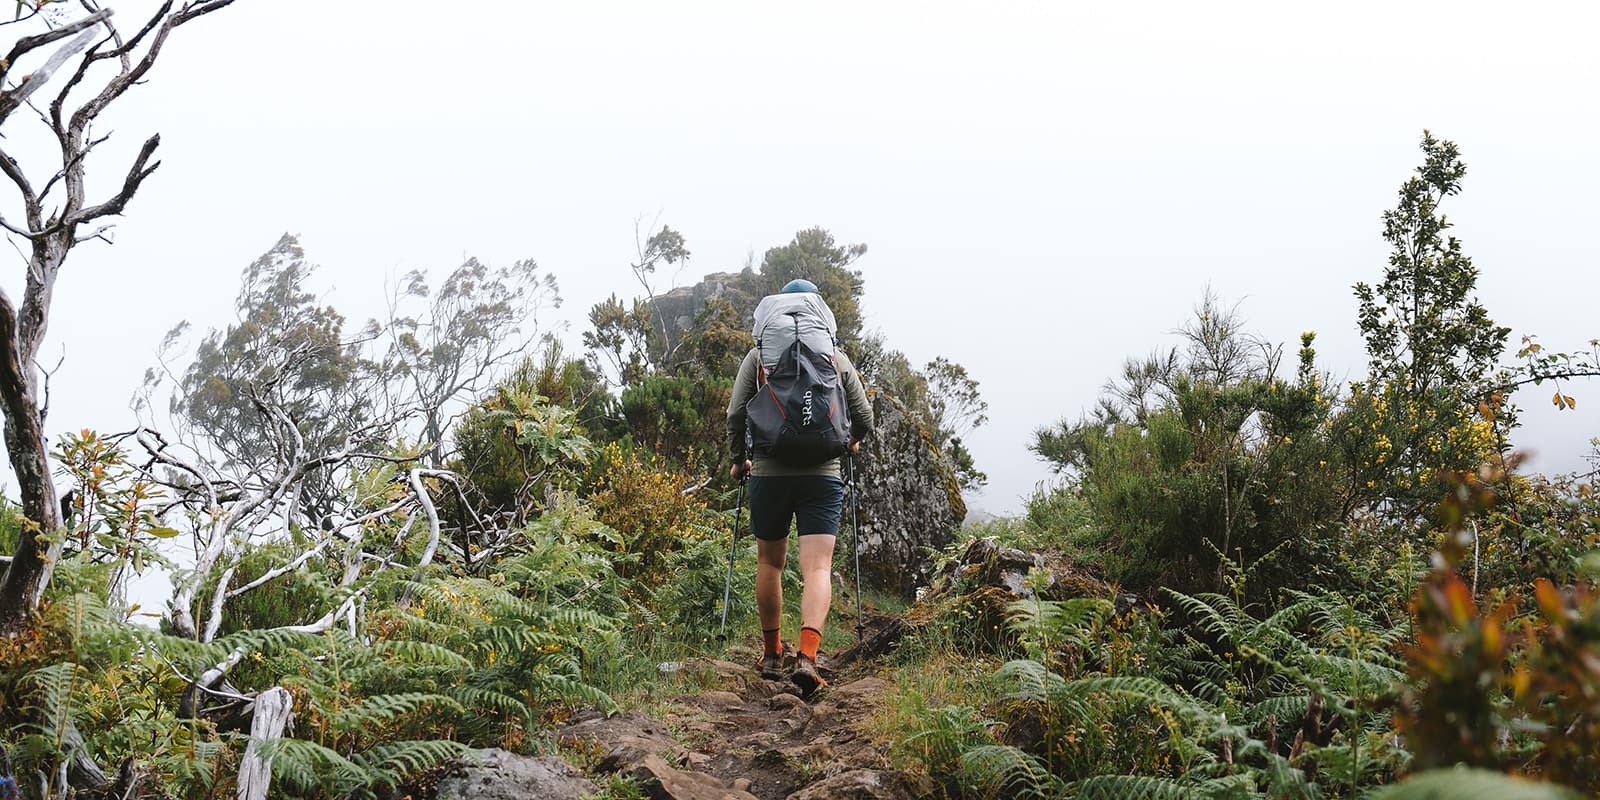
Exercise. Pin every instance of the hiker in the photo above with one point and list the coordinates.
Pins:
(787, 436)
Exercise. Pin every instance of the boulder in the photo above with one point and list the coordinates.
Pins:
(987, 564)
(495, 774)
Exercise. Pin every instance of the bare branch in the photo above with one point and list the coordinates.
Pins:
(136, 175)
(28, 44)
(433, 517)
(11, 99)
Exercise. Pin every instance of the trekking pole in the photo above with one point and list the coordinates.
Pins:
(733, 543)
(855, 544)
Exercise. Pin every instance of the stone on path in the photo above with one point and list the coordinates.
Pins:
(623, 740)
(857, 784)
(661, 781)
(495, 774)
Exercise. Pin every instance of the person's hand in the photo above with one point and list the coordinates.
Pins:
(855, 446)
(739, 470)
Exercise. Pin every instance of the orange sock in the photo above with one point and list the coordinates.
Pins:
(809, 639)
(769, 640)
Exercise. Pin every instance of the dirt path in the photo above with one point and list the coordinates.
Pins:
(751, 737)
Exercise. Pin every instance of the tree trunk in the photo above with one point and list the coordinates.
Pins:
(255, 770)
(29, 571)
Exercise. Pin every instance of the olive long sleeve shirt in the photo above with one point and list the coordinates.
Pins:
(744, 388)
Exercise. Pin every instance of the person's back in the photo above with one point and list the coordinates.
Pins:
(808, 490)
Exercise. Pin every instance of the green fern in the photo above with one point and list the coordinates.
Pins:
(411, 652)
(379, 710)
(949, 732)
(1138, 787)
(51, 689)
(999, 771)
(389, 764)
(309, 768)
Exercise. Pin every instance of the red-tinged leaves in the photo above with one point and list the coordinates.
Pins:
(1549, 600)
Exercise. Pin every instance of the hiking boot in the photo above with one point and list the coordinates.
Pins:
(771, 666)
(805, 676)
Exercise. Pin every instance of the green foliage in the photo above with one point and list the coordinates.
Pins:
(1423, 328)
(473, 321)
(1432, 348)
(646, 503)
(718, 341)
(681, 419)
(277, 603)
(516, 446)
(1191, 462)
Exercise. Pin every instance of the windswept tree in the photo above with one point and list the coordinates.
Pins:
(52, 213)
(290, 428)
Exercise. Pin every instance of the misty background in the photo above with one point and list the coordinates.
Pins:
(1045, 189)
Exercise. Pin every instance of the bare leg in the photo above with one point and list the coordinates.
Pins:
(816, 571)
(770, 558)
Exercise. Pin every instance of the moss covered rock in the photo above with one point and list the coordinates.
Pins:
(910, 502)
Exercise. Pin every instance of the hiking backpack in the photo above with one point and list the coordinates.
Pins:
(798, 415)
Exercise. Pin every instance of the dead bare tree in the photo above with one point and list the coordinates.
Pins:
(57, 215)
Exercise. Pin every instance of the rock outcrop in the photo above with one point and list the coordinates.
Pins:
(675, 310)
(910, 503)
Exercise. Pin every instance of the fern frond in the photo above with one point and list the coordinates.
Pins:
(1034, 681)
(393, 762)
(568, 688)
(1002, 771)
(952, 731)
(1217, 620)
(477, 699)
(53, 687)
(413, 652)
(1137, 787)
(382, 709)
(309, 767)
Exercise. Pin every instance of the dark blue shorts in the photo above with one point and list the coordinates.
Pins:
(814, 502)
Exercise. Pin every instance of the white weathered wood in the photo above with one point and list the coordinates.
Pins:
(271, 713)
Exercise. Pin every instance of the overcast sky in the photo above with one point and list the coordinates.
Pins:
(1045, 188)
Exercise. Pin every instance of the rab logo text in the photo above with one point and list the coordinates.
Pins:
(805, 419)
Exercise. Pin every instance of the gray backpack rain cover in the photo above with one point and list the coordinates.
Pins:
(798, 415)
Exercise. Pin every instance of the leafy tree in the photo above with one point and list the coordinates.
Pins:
(287, 352)
(631, 342)
(719, 340)
(679, 418)
(620, 340)
(1423, 328)
(1431, 344)
(814, 256)
(530, 435)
